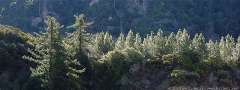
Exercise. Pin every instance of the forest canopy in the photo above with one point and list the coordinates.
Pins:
(119, 44)
(81, 60)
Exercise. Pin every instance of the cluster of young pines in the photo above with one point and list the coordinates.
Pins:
(60, 59)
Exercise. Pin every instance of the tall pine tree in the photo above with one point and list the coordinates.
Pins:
(49, 56)
(80, 42)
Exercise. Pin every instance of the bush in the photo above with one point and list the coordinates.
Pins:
(183, 77)
(171, 59)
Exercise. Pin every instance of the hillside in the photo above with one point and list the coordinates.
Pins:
(214, 18)
(85, 61)
(119, 44)
(13, 45)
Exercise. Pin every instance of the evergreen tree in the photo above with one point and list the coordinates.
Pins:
(138, 42)
(170, 43)
(99, 42)
(230, 44)
(80, 40)
(154, 44)
(159, 41)
(118, 63)
(222, 48)
(103, 42)
(130, 39)
(182, 41)
(198, 45)
(213, 53)
(57, 68)
(50, 57)
(120, 43)
(226, 47)
(149, 47)
(108, 42)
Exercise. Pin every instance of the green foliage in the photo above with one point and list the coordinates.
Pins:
(104, 43)
(183, 77)
(130, 39)
(237, 51)
(80, 60)
(227, 49)
(178, 75)
(171, 59)
(182, 41)
(149, 46)
(170, 43)
(213, 53)
(11, 34)
(118, 63)
(50, 67)
(138, 42)
(54, 70)
(120, 43)
(198, 45)
(77, 44)
(133, 55)
(13, 69)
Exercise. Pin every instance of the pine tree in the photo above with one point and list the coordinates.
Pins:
(222, 48)
(104, 42)
(130, 39)
(170, 43)
(50, 57)
(80, 43)
(154, 44)
(230, 44)
(227, 49)
(120, 43)
(99, 42)
(198, 45)
(138, 42)
(80, 35)
(57, 68)
(149, 48)
(183, 41)
(108, 42)
(79, 40)
(159, 41)
(213, 53)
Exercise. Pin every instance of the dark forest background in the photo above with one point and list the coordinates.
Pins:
(214, 18)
